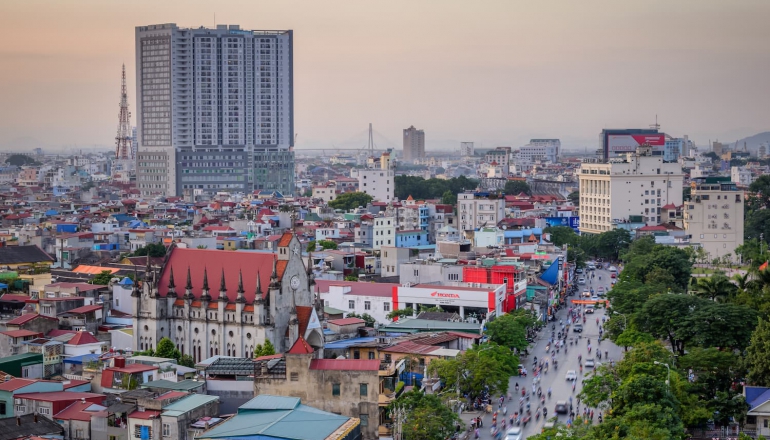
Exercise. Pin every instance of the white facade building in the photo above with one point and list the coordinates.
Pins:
(384, 231)
(475, 211)
(467, 149)
(214, 110)
(741, 176)
(377, 182)
(638, 185)
(713, 217)
(546, 150)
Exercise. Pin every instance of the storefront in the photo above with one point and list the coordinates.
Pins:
(485, 301)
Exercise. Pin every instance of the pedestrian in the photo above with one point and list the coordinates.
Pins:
(476, 433)
(592, 414)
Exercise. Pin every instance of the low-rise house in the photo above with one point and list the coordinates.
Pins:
(178, 417)
(126, 377)
(9, 389)
(52, 354)
(33, 322)
(11, 341)
(51, 403)
(85, 318)
(25, 365)
(76, 419)
(82, 343)
(14, 257)
(284, 418)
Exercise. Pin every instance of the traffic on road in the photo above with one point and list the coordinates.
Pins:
(563, 354)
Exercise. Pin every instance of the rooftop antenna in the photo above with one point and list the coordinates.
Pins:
(655, 126)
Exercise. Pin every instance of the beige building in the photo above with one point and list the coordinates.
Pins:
(475, 211)
(636, 186)
(414, 144)
(713, 217)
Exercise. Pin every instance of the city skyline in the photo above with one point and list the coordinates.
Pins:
(496, 74)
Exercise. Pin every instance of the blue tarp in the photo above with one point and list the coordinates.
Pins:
(3, 286)
(126, 282)
(137, 224)
(52, 212)
(551, 275)
(83, 358)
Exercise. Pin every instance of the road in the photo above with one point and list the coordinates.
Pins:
(555, 379)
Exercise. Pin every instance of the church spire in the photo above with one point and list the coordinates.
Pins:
(240, 298)
(189, 280)
(171, 285)
(258, 294)
(205, 289)
(222, 287)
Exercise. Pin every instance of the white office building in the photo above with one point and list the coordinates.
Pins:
(543, 150)
(215, 110)
(713, 216)
(377, 182)
(629, 188)
(741, 176)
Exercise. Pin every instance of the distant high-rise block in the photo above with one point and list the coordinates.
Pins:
(414, 144)
(466, 149)
(215, 110)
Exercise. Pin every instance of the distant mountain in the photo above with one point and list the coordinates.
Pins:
(752, 142)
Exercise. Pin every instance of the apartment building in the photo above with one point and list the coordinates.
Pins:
(635, 186)
(214, 110)
(713, 216)
(475, 210)
(414, 144)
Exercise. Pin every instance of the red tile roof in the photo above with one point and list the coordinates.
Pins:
(15, 384)
(345, 364)
(346, 321)
(82, 338)
(20, 333)
(23, 319)
(171, 395)
(285, 239)
(411, 347)
(669, 206)
(268, 357)
(85, 309)
(58, 396)
(250, 263)
(300, 347)
(144, 415)
(303, 316)
(14, 297)
(133, 368)
(76, 411)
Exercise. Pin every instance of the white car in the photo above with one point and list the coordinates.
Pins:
(513, 434)
(571, 375)
(589, 363)
(581, 280)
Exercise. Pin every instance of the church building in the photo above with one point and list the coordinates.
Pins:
(261, 296)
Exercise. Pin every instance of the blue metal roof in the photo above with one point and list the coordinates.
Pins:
(345, 343)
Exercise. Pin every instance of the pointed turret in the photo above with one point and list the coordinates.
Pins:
(171, 286)
(258, 294)
(222, 287)
(188, 287)
(147, 270)
(205, 289)
(274, 275)
(241, 298)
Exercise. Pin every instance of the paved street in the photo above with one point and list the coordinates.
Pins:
(555, 379)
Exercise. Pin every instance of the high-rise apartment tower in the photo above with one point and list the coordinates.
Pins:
(414, 144)
(215, 110)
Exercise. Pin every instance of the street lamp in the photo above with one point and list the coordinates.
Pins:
(668, 376)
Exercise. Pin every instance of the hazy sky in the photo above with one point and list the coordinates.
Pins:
(493, 72)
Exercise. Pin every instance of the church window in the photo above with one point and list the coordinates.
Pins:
(231, 333)
(196, 331)
(248, 335)
(179, 329)
(213, 332)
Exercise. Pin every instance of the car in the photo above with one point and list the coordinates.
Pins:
(613, 269)
(586, 294)
(513, 434)
(613, 275)
(589, 309)
(561, 407)
(601, 291)
(577, 328)
(581, 280)
(595, 298)
(578, 270)
(571, 375)
(591, 266)
(589, 363)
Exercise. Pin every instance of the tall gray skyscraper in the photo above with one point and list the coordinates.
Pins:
(215, 110)
(414, 144)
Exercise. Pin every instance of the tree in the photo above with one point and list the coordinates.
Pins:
(675, 261)
(760, 190)
(368, 319)
(449, 198)
(727, 326)
(350, 200)
(574, 197)
(435, 188)
(577, 257)
(516, 187)
(631, 337)
(716, 287)
(154, 249)
(400, 313)
(20, 160)
(426, 417)
(103, 278)
(477, 369)
(561, 235)
(757, 360)
(186, 361)
(166, 349)
(509, 331)
(266, 349)
(711, 155)
(667, 316)
(325, 244)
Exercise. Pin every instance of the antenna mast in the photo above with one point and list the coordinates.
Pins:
(123, 149)
(655, 126)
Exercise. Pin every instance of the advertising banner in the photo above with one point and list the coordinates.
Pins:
(572, 222)
(621, 143)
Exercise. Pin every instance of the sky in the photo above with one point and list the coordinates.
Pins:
(492, 72)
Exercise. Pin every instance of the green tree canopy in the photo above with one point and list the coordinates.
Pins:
(574, 197)
(473, 370)
(325, 244)
(154, 249)
(350, 200)
(561, 235)
(368, 319)
(422, 189)
(400, 313)
(515, 187)
(266, 349)
(166, 349)
(757, 360)
(449, 198)
(426, 417)
(20, 160)
(760, 190)
(103, 278)
(510, 330)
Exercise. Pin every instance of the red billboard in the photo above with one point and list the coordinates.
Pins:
(629, 142)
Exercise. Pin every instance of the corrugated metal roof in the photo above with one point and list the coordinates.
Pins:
(185, 385)
(189, 403)
(270, 402)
